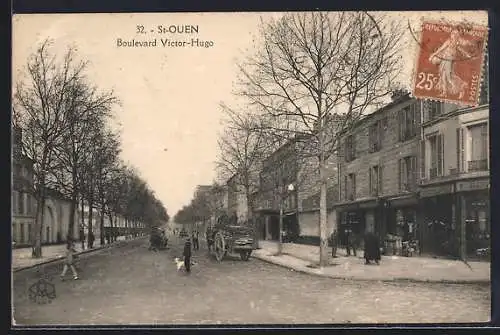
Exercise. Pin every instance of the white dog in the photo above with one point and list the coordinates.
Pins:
(179, 263)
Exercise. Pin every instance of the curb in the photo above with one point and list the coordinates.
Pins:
(384, 280)
(87, 251)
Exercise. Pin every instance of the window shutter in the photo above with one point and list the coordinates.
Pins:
(459, 150)
(414, 174)
(380, 175)
(440, 149)
(370, 179)
(462, 151)
(422, 159)
(400, 125)
(400, 174)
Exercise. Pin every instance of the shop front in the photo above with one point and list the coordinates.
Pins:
(439, 229)
(474, 199)
(358, 217)
(400, 222)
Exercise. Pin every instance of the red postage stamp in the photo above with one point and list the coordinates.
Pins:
(449, 63)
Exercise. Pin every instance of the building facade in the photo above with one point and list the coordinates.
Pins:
(279, 171)
(455, 181)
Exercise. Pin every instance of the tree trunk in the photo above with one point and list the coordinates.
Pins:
(323, 215)
(103, 208)
(72, 211)
(90, 242)
(82, 219)
(36, 234)
(251, 219)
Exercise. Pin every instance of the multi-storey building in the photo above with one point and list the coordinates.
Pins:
(57, 207)
(455, 180)
(23, 208)
(378, 170)
(279, 171)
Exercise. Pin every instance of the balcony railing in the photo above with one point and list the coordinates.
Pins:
(409, 186)
(478, 165)
(453, 171)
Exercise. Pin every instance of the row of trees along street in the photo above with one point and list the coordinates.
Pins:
(67, 133)
(312, 77)
(202, 208)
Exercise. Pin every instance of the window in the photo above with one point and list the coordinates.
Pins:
(408, 122)
(21, 230)
(20, 203)
(350, 186)
(407, 174)
(29, 205)
(350, 148)
(478, 147)
(375, 136)
(434, 109)
(29, 233)
(436, 156)
(375, 180)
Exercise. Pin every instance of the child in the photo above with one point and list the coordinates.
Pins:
(187, 255)
(69, 262)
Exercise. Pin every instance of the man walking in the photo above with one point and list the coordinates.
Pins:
(187, 255)
(351, 243)
(334, 243)
(82, 238)
(196, 244)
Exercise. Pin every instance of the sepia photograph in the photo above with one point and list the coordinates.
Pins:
(250, 168)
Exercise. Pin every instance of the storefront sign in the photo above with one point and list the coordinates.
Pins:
(473, 185)
(436, 190)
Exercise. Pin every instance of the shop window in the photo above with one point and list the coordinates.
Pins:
(408, 174)
(478, 139)
(375, 132)
(436, 155)
(408, 122)
(350, 148)
(375, 180)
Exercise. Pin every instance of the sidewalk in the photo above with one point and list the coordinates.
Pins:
(301, 258)
(21, 257)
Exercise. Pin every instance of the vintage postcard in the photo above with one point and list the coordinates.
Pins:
(250, 168)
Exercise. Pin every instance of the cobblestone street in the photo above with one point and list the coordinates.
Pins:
(131, 285)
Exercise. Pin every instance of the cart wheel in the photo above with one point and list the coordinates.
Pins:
(245, 255)
(220, 247)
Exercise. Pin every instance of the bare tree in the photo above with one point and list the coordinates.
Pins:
(41, 101)
(86, 116)
(315, 75)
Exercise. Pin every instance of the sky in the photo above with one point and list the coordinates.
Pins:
(170, 96)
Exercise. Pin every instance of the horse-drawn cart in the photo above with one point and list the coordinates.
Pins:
(232, 238)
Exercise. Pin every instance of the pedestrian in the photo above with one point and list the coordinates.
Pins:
(210, 238)
(69, 261)
(82, 238)
(351, 242)
(334, 239)
(196, 244)
(372, 248)
(187, 255)
(91, 240)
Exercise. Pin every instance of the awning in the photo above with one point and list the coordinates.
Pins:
(357, 205)
(402, 201)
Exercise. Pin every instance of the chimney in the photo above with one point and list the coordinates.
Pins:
(398, 93)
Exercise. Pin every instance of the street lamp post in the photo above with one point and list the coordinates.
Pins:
(290, 188)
